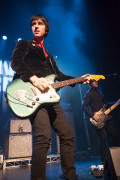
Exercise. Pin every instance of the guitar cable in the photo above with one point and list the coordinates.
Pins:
(22, 103)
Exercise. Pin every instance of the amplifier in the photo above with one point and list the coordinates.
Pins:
(18, 145)
(20, 126)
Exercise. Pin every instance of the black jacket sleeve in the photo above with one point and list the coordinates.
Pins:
(17, 61)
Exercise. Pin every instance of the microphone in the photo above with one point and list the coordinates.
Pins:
(114, 75)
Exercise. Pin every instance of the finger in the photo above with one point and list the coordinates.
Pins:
(86, 82)
(87, 74)
(46, 83)
(41, 88)
(43, 85)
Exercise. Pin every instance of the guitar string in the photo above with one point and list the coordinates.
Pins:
(73, 81)
(60, 84)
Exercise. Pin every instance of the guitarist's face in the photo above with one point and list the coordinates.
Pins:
(95, 83)
(38, 28)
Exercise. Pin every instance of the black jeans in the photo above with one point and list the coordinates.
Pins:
(102, 138)
(47, 116)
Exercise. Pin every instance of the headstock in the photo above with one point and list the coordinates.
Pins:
(97, 77)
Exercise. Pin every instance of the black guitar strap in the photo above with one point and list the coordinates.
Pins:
(49, 57)
(52, 64)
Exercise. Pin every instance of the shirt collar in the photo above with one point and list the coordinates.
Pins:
(37, 42)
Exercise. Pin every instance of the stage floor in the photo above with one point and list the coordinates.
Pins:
(53, 171)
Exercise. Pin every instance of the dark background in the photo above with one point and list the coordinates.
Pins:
(85, 37)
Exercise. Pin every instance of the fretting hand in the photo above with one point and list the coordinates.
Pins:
(87, 79)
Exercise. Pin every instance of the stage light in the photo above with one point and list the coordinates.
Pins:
(4, 37)
(19, 39)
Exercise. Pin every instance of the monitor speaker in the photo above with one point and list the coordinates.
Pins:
(112, 164)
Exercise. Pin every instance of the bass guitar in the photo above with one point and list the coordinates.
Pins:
(24, 99)
(103, 114)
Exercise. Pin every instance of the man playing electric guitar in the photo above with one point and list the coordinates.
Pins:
(32, 63)
(93, 102)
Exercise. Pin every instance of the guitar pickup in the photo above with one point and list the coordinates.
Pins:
(35, 91)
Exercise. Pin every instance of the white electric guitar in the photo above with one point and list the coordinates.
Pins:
(103, 114)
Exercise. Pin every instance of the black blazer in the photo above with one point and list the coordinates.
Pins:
(28, 59)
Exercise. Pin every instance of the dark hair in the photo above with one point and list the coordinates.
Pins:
(45, 21)
(91, 81)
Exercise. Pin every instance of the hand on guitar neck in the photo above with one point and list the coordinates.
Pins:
(87, 79)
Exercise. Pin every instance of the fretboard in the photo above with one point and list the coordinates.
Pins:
(112, 107)
(61, 84)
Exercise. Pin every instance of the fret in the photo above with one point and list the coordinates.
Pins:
(67, 82)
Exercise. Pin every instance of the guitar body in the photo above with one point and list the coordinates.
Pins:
(103, 114)
(103, 119)
(24, 99)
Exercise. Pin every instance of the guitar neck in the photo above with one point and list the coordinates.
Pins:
(61, 84)
(112, 107)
